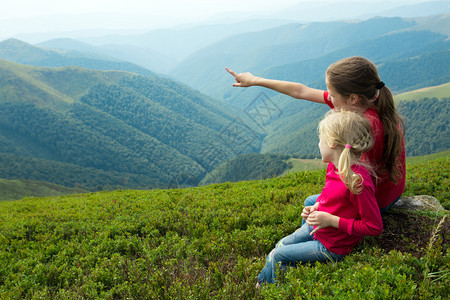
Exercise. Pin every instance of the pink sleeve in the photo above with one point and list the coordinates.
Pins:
(370, 222)
(327, 101)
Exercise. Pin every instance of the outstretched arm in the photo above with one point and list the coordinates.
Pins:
(293, 89)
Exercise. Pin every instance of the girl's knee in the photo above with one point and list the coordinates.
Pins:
(280, 243)
(276, 256)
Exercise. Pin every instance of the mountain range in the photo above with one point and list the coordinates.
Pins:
(302, 52)
(148, 129)
(78, 114)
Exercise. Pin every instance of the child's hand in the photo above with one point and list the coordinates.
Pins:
(306, 211)
(242, 79)
(322, 219)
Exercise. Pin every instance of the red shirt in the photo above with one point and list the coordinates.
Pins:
(386, 191)
(359, 214)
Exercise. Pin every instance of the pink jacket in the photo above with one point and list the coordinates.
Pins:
(359, 214)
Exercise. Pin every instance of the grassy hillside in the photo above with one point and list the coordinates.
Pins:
(438, 92)
(299, 165)
(211, 242)
(18, 189)
(426, 158)
(255, 166)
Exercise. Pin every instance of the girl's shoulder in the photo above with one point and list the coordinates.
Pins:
(371, 114)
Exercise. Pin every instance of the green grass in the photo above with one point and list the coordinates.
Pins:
(18, 189)
(426, 158)
(430, 177)
(299, 165)
(210, 243)
(440, 91)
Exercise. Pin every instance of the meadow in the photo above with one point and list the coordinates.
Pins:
(210, 242)
(440, 91)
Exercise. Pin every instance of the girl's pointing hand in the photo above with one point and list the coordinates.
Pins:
(242, 79)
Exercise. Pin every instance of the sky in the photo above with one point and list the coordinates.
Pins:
(32, 16)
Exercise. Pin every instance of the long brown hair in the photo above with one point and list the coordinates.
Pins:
(357, 75)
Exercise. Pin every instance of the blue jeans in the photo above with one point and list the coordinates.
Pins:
(311, 200)
(299, 247)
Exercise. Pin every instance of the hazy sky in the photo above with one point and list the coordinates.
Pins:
(34, 16)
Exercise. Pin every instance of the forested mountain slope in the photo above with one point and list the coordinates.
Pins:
(111, 121)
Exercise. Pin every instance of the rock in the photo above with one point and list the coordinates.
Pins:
(422, 202)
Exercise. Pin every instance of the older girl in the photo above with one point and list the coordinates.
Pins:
(353, 83)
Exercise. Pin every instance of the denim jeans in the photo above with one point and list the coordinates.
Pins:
(311, 200)
(299, 247)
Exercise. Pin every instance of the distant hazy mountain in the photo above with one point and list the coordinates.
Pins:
(418, 9)
(179, 43)
(21, 52)
(313, 11)
(146, 58)
(310, 48)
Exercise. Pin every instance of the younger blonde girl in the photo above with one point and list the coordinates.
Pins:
(345, 211)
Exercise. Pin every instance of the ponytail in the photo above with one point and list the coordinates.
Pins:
(352, 180)
(394, 131)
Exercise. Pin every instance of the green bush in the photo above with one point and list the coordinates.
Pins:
(429, 178)
(201, 243)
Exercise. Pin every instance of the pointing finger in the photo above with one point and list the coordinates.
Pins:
(231, 72)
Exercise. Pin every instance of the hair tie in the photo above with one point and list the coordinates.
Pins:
(374, 98)
(380, 85)
(348, 146)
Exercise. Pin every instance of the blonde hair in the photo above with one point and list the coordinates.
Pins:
(351, 132)
(357, 75)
